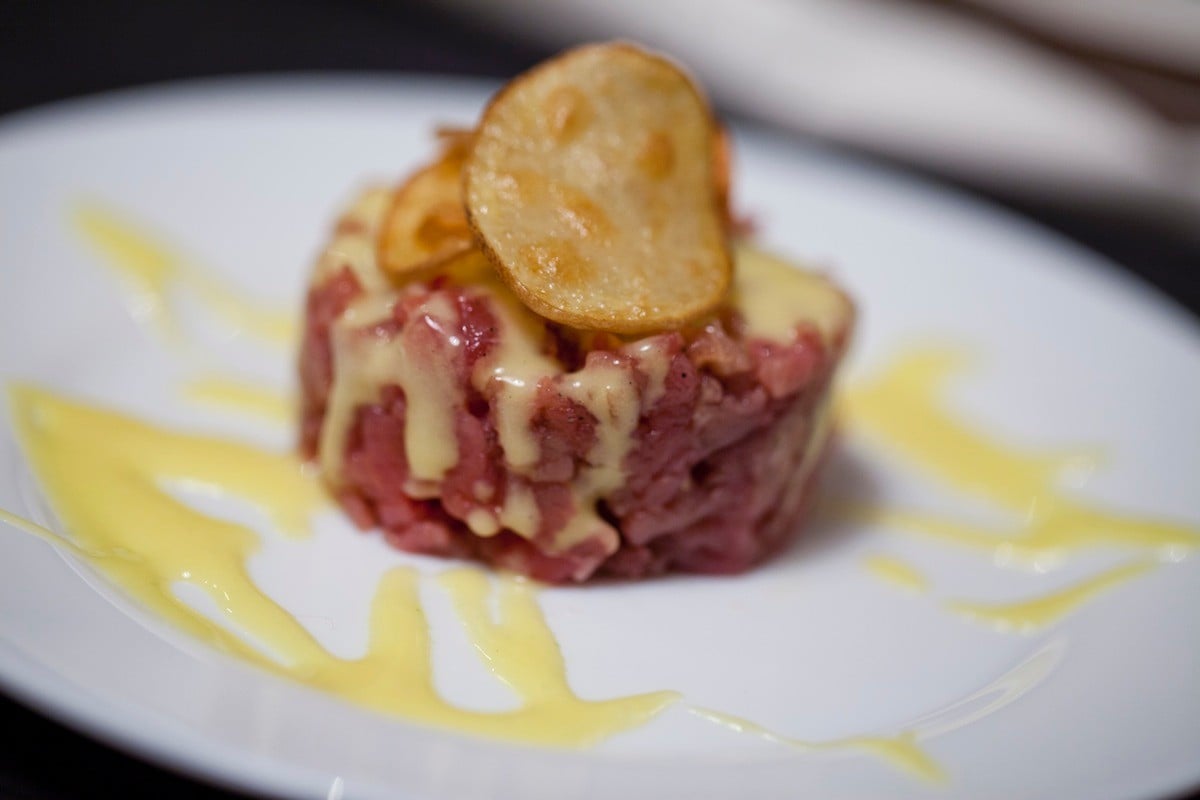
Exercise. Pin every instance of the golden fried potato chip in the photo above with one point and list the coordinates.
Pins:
(426, 225)
(592, 187)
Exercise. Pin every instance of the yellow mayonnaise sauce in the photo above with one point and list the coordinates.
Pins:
(774, 296)
(1038, 612)
(149, 271)
(902, 410)
(114, 480)
(896, 572)
(901, 750)
(245, 398)
(108, 478)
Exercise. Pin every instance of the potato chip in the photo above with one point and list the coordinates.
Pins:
(592, 187)
(426, 225)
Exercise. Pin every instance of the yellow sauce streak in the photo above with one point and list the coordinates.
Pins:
(105, 475)
(775, 296)
(901, 409)
(896, 572)
(396, 674)
(610, 396)
(246, 398)
(901, 751)
(364, 362)
(512, 371)
(1028, 615)
(43, 533)
(149, 270)
(519, 648)
(353, 243)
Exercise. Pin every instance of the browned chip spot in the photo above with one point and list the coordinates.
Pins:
(594, 187)
(521, 187)
(657, 155)
(567, 113)
(557, 262)
(580, 213)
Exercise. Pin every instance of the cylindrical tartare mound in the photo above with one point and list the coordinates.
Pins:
(444, 412)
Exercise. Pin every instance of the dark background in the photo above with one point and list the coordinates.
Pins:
(56, 50)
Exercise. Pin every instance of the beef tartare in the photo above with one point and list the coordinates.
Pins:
(447, 411)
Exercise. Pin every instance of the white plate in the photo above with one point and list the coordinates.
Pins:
(246, 176)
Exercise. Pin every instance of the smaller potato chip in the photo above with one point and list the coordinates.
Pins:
(426, 225)
(597, 184)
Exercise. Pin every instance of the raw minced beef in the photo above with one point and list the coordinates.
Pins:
(718, 441)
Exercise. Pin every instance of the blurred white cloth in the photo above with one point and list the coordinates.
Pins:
(916, 82)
